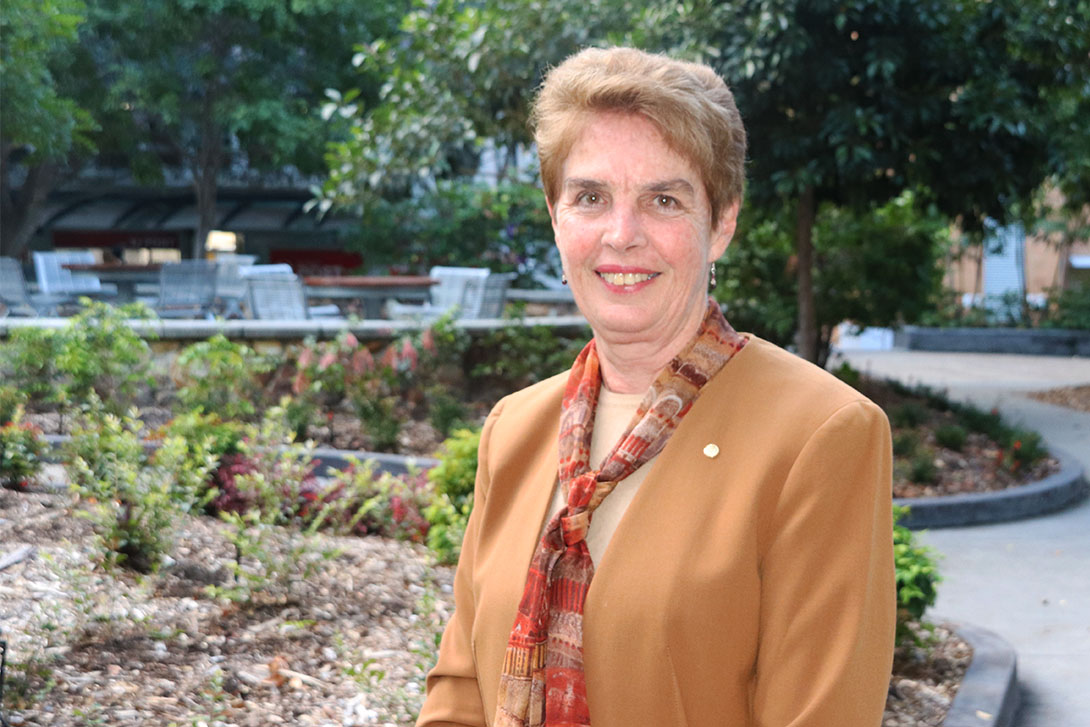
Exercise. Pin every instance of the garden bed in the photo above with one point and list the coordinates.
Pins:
(349, 645)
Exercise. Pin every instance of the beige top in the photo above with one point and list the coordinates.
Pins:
(612, 415)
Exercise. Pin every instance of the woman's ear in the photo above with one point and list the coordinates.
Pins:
(723, 232)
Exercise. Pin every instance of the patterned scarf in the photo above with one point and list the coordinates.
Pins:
(542, 682)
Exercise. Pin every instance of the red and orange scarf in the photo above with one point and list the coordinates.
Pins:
(543, 682)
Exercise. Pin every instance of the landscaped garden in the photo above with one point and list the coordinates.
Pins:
(177, 558)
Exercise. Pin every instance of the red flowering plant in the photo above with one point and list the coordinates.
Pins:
(360, 501)
(21, 451)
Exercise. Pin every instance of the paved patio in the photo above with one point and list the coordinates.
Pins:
(1027, 581)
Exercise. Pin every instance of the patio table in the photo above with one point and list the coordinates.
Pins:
(372, 291)
(126, 276)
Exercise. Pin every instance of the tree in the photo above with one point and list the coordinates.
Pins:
(460, 76)
(852, 101)
(42, 125)
(218, 86)
(856, 278)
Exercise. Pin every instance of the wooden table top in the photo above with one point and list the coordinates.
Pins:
(368, 281)
(113, 267)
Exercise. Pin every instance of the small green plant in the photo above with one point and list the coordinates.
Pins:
(220, 376)
(445, 412)
(847, 374)
(922, 469)
(363, 501)
(274, 548)
(21, 451)
(453, 479)
(132, 499)
(916, 575)
(905, 443)
(951, 436)
(909, 414)
(988, 423)
(28, 362)
(99, 352)
(1022, 448)
(12, 398)
(1068, 308)
(516, 355)
(456, 472)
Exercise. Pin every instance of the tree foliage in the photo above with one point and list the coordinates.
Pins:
(42, 120)
(460, 76)
(873, 268)
(851, 102)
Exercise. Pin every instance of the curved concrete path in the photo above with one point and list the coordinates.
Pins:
(1028, 581)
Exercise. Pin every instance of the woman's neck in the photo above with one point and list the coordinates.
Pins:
(631, 368)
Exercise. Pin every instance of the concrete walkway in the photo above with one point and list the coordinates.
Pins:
(1028, 581)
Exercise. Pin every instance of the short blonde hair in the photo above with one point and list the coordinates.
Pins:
(688, 102)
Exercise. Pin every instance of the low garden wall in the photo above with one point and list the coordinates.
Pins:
(1038, 341)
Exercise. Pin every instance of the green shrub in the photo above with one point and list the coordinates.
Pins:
(905, 443)
(1068, 308)
(220, 376)
(453, 479)
(448, 528)
(988, 423)
(28, 361)
(1022, 449)
(847, 374)
(445, 412)
(922, 469)
(456, 472)
(274, 534)
(99, 352)
(133, 500)
(12, 399)
(951, 436)
(516, 356)
(909, 414)
(916, 575)
(21, 450)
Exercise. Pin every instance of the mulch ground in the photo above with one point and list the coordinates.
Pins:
(1073, 397)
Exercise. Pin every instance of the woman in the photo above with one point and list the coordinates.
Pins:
(740, 571)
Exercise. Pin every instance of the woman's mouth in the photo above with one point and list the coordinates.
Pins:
(623, 279)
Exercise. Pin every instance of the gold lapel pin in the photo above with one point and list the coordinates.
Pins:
(711, 450)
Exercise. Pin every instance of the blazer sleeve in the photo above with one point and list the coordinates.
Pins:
(828, 594)
(453, 694)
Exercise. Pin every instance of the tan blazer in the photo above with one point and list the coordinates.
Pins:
(754, 587)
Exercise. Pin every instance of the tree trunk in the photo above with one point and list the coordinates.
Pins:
(206, 177)
(807, 337)
(20, 215)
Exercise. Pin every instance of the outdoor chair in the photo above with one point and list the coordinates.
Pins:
(486, 299)
(279, 297)
(231, 287)
(55, 279)
(15, 299)
(187, 289)
(282, 270)
(449, 295)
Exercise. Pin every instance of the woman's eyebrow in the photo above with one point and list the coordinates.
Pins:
(584, 183)
(671, 185)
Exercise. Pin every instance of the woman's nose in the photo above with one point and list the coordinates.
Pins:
(625, 229)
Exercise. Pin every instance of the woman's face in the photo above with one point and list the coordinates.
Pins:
(633, 225)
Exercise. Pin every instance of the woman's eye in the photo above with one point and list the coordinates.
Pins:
(589, 198)
(665, 201)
